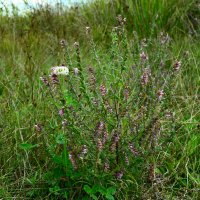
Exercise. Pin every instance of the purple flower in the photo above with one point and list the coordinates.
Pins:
(54, 79)
(133, 149)
(44, 80)
(143, 56)
(38, 127)
(61, 112)
(145, 77)
(103, 90)
(177, 65)
(160, 95)
(119, 174)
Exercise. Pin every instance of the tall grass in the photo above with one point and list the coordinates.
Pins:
(32, 139)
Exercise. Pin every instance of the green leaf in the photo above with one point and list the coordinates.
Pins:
(87, 189)
(111, 190)
(60, 139)
(70, 101)
(94, 197)
(27, 146)
(109, 197)
(55, 190)
(193, 144)
(57, 159)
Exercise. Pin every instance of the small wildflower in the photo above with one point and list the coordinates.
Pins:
(44, 80)
(91, 70)
(133, 149)
(100, 128)
(177, 65)
(38, 128)
(92, 81)
(115, 140)
(105, 137)
(108, 107)
(160, 95)
(61, 112)
(76, 45)
(64, 123)
(106, 165)
(126, 160)
(63, 70)
(87, 29)
(103, 90)
(126, 93)
(144, 42)
(151, 176)
(63, 43)
(145, 77)
(121, 20)
(76, 71)
(72, 159)
(99, 144)
(84, 149)
(164, 38)
(95, 102)
(92, 77)
(54, 79)
(119, 174)
(168, 115)
(143, 56)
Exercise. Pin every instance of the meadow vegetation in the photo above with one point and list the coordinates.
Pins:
(124, 122)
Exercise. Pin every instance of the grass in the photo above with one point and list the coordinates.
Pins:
(156, 155)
